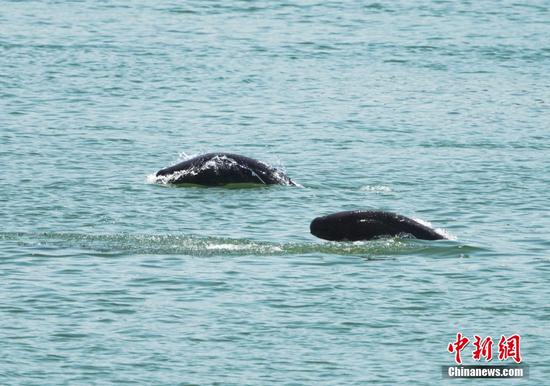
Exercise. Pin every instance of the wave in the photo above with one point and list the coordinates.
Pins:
(216, 246)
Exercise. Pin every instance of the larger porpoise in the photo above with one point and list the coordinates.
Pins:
(215, 169)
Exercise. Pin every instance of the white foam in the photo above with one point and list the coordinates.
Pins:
(251, 247)
(226, 247)
(182, 156)
(441, 231)
(151, 179)
(377, 188)
(423, 222)
(170, 178)
(445, 233)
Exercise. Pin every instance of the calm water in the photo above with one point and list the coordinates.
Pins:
(433, 109)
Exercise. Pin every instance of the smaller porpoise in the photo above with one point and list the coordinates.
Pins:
(215, 169)
(366, 225)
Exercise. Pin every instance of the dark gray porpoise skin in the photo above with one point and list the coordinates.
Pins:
(366, 225)
(214, 169)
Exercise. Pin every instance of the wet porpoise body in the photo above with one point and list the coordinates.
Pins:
(215, 169)
(367, 225)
